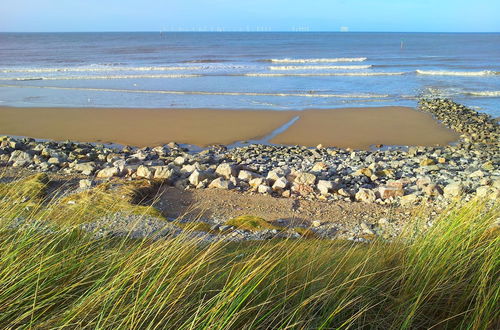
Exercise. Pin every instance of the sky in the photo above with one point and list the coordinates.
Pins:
(250, 15)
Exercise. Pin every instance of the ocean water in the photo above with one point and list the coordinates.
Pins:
(276, 71)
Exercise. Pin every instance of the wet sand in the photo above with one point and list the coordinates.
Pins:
(359, 128)
(349, 127)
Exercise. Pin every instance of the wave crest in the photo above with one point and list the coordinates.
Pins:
(354, 74)
(317, 60)
(319, 67)
(484, 93)
(456, 73)
(144, 76)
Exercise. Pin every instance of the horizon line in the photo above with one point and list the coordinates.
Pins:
(243, 31)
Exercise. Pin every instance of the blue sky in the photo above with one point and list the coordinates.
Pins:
(274, 15)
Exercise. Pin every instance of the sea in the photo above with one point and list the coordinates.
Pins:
(277, 71)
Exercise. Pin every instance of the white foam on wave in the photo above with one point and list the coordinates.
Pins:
(144, 76)
(320, 67)
(360, 74)
(456, 73)
(101, 69)
(484, 93)
(318, 60)
(311, 94)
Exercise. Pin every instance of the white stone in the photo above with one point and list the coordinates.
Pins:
(365, 195)
(225, 170)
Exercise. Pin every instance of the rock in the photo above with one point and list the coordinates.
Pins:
(427, 162)
(85, 168)
(422, 182)
(488, 192)
(319, 167)
(390, 191)
(275, 174)
(197, 177)
(280, 184)
(366, 228)
(144, 172)
(488, 166)
(107, 172)
(383, 221)
(305, 178)
(453, 189)
(364, 171)
(219, 183)
(255, 183)
(264, 189)
(409, 200)
(302, 189)
(226, 170)
(163, 173)
(344, 192)
(324, 186)
(286, 194)
(246, 176)
(54, 161)
(316, 224)
(20, 158)
(85, 184)
(476, 174)
(433, 190)
(365, 195)
(179, 161)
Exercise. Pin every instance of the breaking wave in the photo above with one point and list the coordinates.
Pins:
(457, 73)
(320, 67)
(144, 76)
(101, 69)
(317, 60)
(484, 93)
(360, 74)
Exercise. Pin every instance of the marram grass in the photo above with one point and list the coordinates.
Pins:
(445, 278)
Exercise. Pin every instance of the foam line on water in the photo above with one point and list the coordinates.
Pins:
(360, 74)
(484, 93)
(456, 73)
(147, 76)
(313, 95)
(100, 69)
(317, 60)
(320, 67)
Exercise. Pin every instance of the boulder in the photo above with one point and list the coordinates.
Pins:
(427, 162)
(433, 190)
(85, 168)
(319, 167)
(226, 170)
(107, 172)
(179, 161)
(20, 158)
(304, 178)
(145, 172)
(390, 191)
(197, 177)
(219, 183)
(453, 189)
(246, 176)
(280, 184)
(255, 183)
(324, 186)
(85, 183)
(163, 173)
(365, 196)
(264, 189)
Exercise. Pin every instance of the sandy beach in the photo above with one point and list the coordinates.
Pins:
(357, 128)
